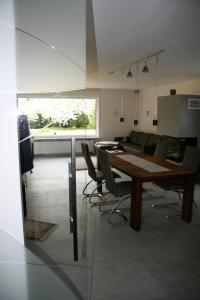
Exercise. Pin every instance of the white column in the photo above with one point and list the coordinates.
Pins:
(11, 219)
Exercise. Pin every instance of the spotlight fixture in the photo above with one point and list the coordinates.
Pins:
(135, 63)
(145, 69)
(129, 74)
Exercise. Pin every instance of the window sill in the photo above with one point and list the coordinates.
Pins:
(63, 138)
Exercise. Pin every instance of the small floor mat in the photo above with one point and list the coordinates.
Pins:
(38, 230)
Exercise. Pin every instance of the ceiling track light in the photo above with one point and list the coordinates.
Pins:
(129, 74)
(137, 62)
(145, 69)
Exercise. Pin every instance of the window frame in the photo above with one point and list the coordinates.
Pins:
(65, 136)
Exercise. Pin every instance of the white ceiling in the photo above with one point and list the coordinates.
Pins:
(61, 24)
(130, 29)
(118, 32)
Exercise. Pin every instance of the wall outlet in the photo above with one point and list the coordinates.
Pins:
(155, 122)
(148, 113)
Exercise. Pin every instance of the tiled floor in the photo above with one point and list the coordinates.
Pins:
(160, 262)
(25, 277)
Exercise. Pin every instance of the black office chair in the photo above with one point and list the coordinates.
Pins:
(96, 175)
(191, 162)
(161, 153)
(161, 150)
(120, 190)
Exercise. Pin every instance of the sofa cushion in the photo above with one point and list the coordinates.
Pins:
(153, 139)
(143, 138)
(131, 147)
(135, 136)
(138, 140)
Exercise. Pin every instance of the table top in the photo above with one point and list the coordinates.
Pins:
(105, 143)
(167, 170)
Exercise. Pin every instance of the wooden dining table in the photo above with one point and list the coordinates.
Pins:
(145, 168)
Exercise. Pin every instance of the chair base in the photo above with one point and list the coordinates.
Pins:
(175, 205)
(115, 209)
(164, 205)
(99, 195)
(119, 211)
(93, 193)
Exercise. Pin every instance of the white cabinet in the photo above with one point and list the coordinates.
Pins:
(179, 116)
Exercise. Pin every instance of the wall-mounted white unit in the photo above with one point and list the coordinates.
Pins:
(179, 116)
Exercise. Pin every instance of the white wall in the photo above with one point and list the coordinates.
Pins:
(10, 205)
(111, 108)
(148, 102)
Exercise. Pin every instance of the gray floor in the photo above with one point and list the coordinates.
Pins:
(162, 261)
(25, 277)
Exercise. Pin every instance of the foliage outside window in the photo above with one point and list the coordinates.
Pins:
(58, 116)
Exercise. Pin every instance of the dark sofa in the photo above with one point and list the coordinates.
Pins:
(141, 141)
(147, 142)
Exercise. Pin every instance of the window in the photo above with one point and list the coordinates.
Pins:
(60, 116)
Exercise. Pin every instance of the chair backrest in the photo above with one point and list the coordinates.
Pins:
(191, 160)
(107, 172)
(88, 160)
(161, 150)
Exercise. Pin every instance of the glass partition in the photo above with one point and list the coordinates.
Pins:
(50, 65)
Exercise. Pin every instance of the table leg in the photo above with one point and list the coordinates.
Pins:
(99, 186)
(24, 199)
(136, 204)
(99, 182)
(188, 196)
